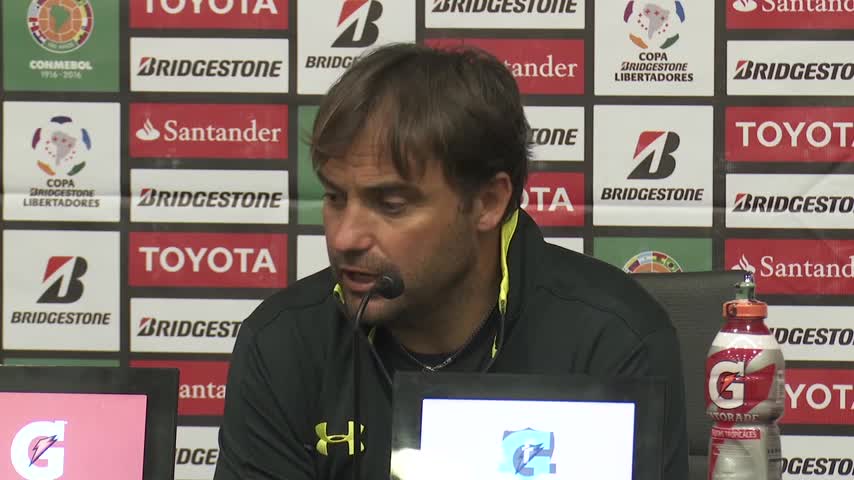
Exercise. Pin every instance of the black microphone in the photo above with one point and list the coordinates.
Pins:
(388, 286)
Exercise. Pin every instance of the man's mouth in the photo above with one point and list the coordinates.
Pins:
(357, 280)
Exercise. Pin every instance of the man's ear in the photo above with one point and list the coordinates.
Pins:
(492, 200)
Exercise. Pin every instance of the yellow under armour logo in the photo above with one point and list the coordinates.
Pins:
(324, 439)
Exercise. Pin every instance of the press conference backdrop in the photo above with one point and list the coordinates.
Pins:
(155, 187)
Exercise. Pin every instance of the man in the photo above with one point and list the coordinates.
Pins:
(423, 155)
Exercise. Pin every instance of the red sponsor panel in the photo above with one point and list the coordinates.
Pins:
(789, 134)
(795, 267)
(819, 397)
(789, 14)
(201, 385)
(232, 260)
(160, 130)
(207, 14)
(540, 66)
(555, 198)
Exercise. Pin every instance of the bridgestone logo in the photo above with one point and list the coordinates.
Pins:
(814, 336)
(745, 202)
(818, 466)
(152, 327)
(505, 6)
(553, 136)
(658, 194)
(151, 197)
(62, 318)
(150, 66)
(750, 70)
(330, 61)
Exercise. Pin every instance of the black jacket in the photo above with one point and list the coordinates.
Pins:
(290, 382)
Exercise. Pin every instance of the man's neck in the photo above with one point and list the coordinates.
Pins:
(451, 323)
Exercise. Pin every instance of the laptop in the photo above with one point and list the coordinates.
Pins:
(536, 427)
(92, 423)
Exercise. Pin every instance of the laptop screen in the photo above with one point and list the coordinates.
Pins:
(533, 426)
(88, 423)
(71, 436)
(495, 439)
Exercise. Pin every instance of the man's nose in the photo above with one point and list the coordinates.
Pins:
(353, 230)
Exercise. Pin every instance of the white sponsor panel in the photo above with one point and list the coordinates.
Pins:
(786, 200)
(810, 456)
(187, 325)
(557, 133)
(790, 67)
(339, 33)
(665, 48)
(545, 14)
(61, 161)
(652, 159)
(241, 65)
(312, 256)
(64, 293)
(215, 196)
(196, 452)
(813, 332)
(571, 243)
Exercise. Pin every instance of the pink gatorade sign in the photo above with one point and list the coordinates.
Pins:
(49, 436)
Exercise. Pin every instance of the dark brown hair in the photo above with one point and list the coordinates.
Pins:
(460, 106)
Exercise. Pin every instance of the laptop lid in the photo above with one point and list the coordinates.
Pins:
(94, 423)
(511, 426)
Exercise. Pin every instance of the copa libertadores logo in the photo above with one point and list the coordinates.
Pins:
(58, 146)
(62, 277)
(60, 26)
(35, 455)
(654, 25)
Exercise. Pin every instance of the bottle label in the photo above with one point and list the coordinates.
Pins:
(744, 381)
(745, 453)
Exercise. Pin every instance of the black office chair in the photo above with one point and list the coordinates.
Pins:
(694, 301)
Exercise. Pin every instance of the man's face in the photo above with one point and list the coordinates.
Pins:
(377, 222)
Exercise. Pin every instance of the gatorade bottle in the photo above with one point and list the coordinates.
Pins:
(745, 378)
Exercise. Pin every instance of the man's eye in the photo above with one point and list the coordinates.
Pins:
(392, 207)
(333, 197)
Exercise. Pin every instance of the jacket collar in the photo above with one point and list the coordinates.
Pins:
(518, 234)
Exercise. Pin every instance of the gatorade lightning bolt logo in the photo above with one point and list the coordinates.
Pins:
(739, 381)
(726, 384)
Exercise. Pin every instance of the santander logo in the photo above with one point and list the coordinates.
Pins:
(745, 6)
(209, 131)
(148, 133)
(744, 264)
(541, 66)
(795, 267)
